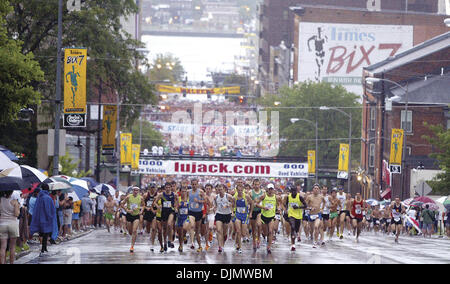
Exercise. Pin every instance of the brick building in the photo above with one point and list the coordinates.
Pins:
(416, 83)
(276, 22)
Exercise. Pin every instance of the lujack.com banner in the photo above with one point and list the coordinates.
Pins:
(223, 168)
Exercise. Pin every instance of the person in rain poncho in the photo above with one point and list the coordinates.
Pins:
(43, 217)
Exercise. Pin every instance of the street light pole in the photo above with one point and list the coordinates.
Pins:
(349, 142)
(294, 120)
(58, 91)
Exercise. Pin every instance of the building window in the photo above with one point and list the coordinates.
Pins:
(372, 155)
(373, 117)
(408, 150)
(406, 121)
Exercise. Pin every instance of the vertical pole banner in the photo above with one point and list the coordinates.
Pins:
(125, 148)
(395, 157)
(311, 162)
(75, 63)
(109, 127)
(343, 157)
(136, 150)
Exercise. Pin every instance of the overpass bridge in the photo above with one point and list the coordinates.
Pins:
(189, 32)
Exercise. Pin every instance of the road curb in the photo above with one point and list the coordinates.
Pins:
(37, 248)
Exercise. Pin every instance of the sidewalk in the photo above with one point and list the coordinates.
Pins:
(37, 247)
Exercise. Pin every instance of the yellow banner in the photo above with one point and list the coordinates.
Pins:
(343, 157)
(75, 61)
(125, 148)
(311, 162)
(395, 157)
(136, 150)
(213, 91)
(109, 127)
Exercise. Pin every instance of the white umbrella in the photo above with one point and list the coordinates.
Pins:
(6, 163)
(11, 172)
(31, 174)
(74, 196)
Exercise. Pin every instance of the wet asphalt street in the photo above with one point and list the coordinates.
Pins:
(101, 247)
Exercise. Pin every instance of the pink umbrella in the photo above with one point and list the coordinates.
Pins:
(425, 199)
(431, 206)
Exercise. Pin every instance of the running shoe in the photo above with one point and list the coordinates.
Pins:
(269, 251)
(185, 240)
(180, 249)
(239, 250)
(192, 247)
(132, 249)
(165, 247)
(152, 249)
(199, 249)
(161, 250)
(207, 247)
(171, 245)
(314, 245)
(293, 248)
(299, 239)
(220, 249)
(341, 237)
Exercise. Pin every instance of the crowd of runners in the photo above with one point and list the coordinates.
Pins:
(188, 214)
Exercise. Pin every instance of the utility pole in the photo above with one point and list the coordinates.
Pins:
(58, 92)
(99, 131)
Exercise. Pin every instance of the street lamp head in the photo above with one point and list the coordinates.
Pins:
(277, 103)
(324, 108)
(372, 80)
(294, 120)
(447, 22)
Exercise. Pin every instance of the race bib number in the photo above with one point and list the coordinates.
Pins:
(167, 204)
(307, 212)
(149, 203)
(134, 206)
(194, 205)
(313, 217)
(183, 211)
(358, 209)
(326, 211)
(292, 205)
(397, 219)
(241, 210)
(269, 205)
(388, 221)
(278, 217)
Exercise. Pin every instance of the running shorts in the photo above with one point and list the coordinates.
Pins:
(166, 213)
(326, 217)
(197, 215)
(225, 219)
(109, 216)
(399, 222)
(347, 213)
(334, 215)
(241, 217)
(131, 218)
(149, 216)
(266, 220)
(182, 220)
(357, 218)
(314, 217)
(286, 217)
(255, 215)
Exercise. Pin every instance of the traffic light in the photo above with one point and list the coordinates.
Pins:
(208, 94)
(241, 99)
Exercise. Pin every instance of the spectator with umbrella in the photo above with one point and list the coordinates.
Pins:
(44, 216)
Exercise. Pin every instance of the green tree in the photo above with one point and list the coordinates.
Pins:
(237, 80)
(18, 73)
(441, 141)
(150, 136)
(166, 68)
(70, 168)
(113, 54)
(306, 99)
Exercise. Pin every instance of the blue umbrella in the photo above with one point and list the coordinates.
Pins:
(8, 153)
(91, 182)
(13, 183)
(372, 202)
(80, 191)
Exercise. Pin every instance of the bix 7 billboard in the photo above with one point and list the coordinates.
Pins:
(337, 53)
